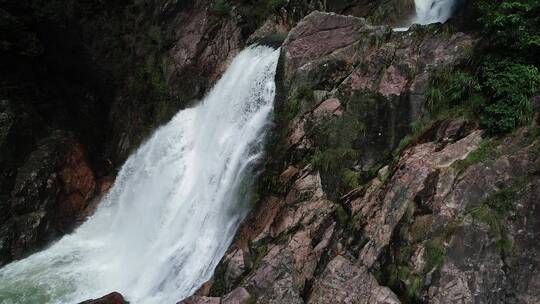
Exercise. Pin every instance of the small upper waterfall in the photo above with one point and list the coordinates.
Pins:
(432, 11)
(175, 206)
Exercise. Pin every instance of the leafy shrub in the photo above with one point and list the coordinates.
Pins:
(508, 86)
(461, 86)
(350, 179)
(503, 78)
(512, 25)
(333, 158)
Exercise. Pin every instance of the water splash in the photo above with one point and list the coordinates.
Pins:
(174, 209)
(433, 11)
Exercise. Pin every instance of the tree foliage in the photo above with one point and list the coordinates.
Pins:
(513, 27)
(508, 71)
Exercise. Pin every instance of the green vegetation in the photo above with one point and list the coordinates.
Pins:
(508, 86)
(293, 105)
(342, 215)
(219, 11)
(221, 8)
(332, 159)
(512, 27)
(418, 128)
(508, 71)
(292, 108)
(496, 210)
(495, 87)
(350, 179)
(408, 283)
(435, 253)
(336, 163)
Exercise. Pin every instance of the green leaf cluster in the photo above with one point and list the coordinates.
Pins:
(508, 86)
(512, 26)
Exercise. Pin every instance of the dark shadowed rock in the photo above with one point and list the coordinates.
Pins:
(51, 191)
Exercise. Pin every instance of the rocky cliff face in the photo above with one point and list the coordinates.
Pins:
(348, 215)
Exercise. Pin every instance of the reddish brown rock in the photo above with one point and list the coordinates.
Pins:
(112, 298)
(392, 83)
(238, 296)
(203, 46)
(344, 282)
(391, 202)
(79, 187)
(105, 184)
(331, 106)
(201, 300)
(303, 42)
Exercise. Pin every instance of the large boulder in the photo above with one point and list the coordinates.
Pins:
(52, 189)
(112, 298)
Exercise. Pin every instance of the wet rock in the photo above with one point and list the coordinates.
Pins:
(236, 267)
(112, 298)
(201, 300)
(52, 189)
(79, 187)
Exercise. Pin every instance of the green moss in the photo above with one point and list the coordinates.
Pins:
(266, 185)
(342, 215)
(408, 284)
(435, 253)
(414, 287)
(418, 128)
(421, 228)
(333, 158)
(486, 150)
(218, 285)
(497, 210)
(350, 179)
(292, 108)
(219, 10)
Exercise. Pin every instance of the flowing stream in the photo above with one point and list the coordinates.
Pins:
(174, 208)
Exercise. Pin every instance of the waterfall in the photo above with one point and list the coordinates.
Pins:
(174, 208)
(433, 11)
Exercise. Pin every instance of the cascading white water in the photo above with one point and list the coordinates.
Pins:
(430, 11)
(174, 208)
(433, 11)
